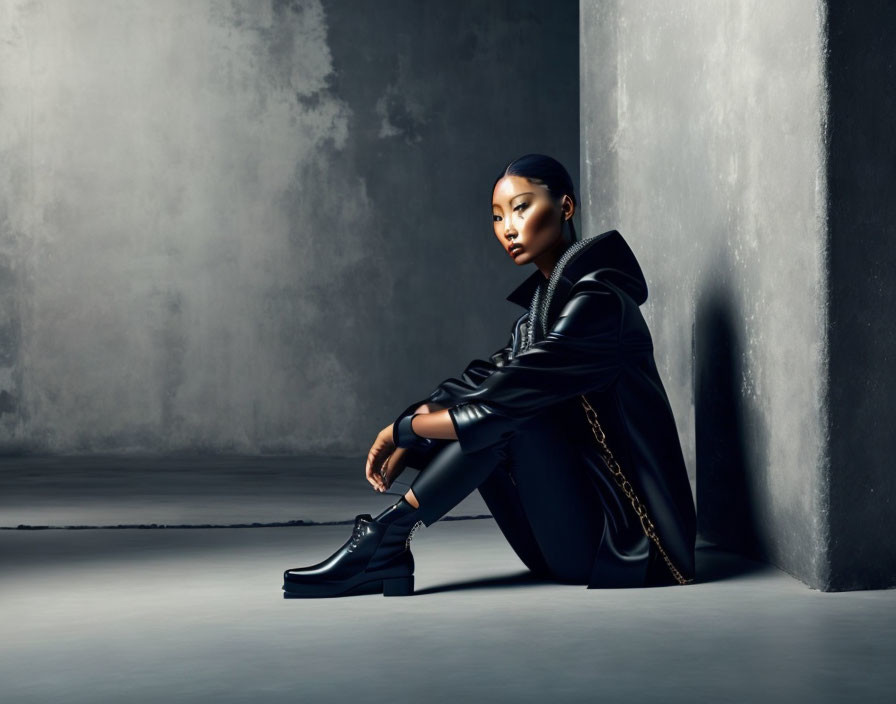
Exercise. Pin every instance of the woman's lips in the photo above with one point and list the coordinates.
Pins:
(515, 250)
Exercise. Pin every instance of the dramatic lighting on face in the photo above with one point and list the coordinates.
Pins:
(525, 219)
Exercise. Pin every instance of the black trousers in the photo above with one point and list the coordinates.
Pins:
(536, 488)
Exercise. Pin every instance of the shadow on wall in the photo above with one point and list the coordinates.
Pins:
(727, 508)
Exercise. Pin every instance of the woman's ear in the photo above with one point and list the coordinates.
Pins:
(567, 207)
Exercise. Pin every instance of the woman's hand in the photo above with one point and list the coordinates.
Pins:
(393, 467)
(384, 461)
(378, 455)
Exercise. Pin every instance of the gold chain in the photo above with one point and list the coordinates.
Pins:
(625, 485)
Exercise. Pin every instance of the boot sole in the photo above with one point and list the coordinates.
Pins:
(389, 586)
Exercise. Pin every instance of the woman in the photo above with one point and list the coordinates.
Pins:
(524, 426)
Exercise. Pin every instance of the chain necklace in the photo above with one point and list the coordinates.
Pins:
(541, 298)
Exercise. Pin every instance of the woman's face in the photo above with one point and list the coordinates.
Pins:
(527, 222)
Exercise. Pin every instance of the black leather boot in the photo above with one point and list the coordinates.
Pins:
(376, 558)
(378, 555)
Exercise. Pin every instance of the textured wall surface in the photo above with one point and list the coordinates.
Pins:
(703, 143)
(258, 226)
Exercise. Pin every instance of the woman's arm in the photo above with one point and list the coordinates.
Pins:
(583, 352)
(580, 353)
(419, 432)
(437, 425)
(477, 371)
(422, 446)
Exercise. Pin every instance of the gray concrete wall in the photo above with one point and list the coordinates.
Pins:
(258, 226)
(703, 143)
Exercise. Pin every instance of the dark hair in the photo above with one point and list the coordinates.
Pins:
(544, 171)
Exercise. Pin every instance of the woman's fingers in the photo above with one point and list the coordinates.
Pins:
(376, 481)
(384, 473)
(379, 453)
(378, 457)
(393, 467)
(372, 471)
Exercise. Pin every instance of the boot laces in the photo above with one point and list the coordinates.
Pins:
(357, 534)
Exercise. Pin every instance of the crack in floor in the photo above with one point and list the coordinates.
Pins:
(274, 524)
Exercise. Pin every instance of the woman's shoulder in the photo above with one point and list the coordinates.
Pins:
(589, 307)
(596, 289)
(595, 307)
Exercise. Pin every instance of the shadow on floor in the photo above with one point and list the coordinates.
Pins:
(713, 565)
(717, 565)
(518, 579)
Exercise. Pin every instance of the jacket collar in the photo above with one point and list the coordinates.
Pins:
(606, 256)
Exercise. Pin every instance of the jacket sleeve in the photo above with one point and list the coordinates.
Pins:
(421, 449)
(582, 352)
(477, 371)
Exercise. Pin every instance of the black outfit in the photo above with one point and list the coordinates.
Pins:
(524, 442)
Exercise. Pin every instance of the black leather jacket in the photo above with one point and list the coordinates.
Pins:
(587, 337)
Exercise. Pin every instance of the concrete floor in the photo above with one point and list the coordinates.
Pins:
(197, 614)
(110, 490)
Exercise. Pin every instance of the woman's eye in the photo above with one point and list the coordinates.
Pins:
(496, 218)
(521, 206)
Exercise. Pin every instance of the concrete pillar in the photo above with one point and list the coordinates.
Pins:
(745, 151)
